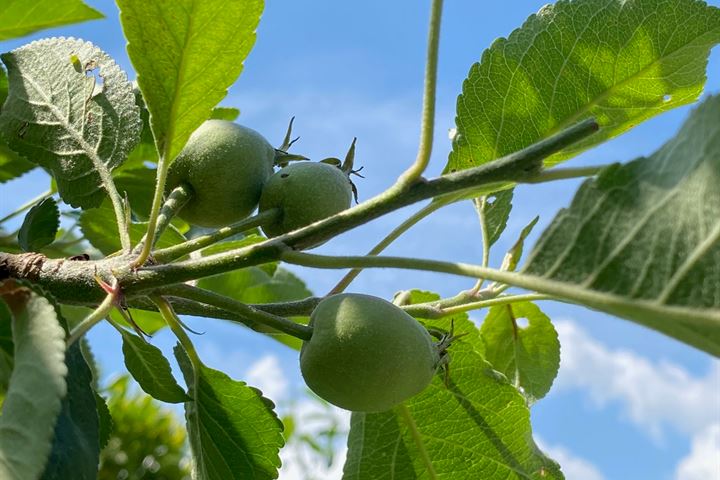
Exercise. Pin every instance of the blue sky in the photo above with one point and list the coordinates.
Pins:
(629, 403)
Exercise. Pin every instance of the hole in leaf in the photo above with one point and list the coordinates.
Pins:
(522, 322)
(667, 98)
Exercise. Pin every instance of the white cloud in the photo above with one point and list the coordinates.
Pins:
(573, 467)
(267, 375)
(653, 395)
(703, 461)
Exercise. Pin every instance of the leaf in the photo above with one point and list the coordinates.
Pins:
(225, 113)
(186, 54)
(7, 349)
(234, 431)
(528, 356)
(19, 17)
(642, 240)
(494, 211)
(100, 230)
(37, 383)
(77, 124)
(476, 427)
(513, 256)
(12, 165)
(105, 421)
(76, 443)
(40, 226)
(619, 61)
(149, 322)
(150, 369)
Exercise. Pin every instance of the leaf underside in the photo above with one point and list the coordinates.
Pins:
(71, 110)
(642, 241)
(37, 384)
(619, 61)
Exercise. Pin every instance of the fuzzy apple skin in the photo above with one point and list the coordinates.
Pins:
(366, 354)
(227, 166)
(305, 192)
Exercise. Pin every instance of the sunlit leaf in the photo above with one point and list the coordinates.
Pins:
(186, 54)
(20, 17)
(619, 61)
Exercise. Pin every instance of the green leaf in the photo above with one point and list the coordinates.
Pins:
(619, 61)
(528, 356)
(76, 443)
(20, 17)
(37, 384)
(494, 211)
(105, 421)
(186, 54)
(514, 254)
(40, 226)
(642, 240)
(150, 369)
(225, 113)
(98, 225)
(234, 431)
(478, 426)
(12, 165)
(7, 349)
(77, 124)
(149, 322)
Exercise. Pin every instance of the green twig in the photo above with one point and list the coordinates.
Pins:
(169, 254)
(173, 204)
(162, 169)
(566, 173)
(173, 322)
(437, 310)
(515, 167)
(251, 315)
(390, 238)
(427, 125)
(93, 318)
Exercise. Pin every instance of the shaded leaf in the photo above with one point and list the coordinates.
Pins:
(478, 426)
(76, 442)
(514, 254)
(494, 212)
(528, 356)
(150, 369)
(100, 229)
(186, 54)
(19, 17)
(40, 226)
(77, 119)
(105, 421)
(621, 62)
(642, 240)
(37, 384)
(234, 431)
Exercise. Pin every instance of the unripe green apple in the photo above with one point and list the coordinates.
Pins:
(305, 192)
(366, 354)
(226, 165)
